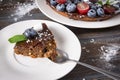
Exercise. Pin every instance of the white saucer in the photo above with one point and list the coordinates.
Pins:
(25, 68)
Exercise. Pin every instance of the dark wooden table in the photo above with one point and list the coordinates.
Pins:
(95, 42)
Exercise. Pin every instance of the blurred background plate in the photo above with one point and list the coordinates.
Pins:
(49, 12)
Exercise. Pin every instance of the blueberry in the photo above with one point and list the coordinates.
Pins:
(94, 6)
(100, 12)
(91, 13)
(53, 2)
(68, 1)
(117, 6)
(77, 1)
(60, 7)
(99, 5)
(30, 33)
(71, 7)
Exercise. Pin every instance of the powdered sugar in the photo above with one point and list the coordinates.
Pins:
(23, 9)
(1, 0)
(109, 52)
(83, 79)
(92, 40)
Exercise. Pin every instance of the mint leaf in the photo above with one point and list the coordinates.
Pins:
(108, 2)
(17, 38)
(100, 2)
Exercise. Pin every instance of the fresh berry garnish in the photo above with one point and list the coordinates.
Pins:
(60, 7)
(100, 12)
(117, 6)
(109, 9)
(53, 2)
(93, 1)
(94, 6)
(83, 8)
(17, 38)
(76, 1)
(67, 2)
(71, 7)
(91, 13)
(61, 1)
(30, 33)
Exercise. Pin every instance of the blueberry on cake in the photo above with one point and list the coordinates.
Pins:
(35, 43)
(86, 10)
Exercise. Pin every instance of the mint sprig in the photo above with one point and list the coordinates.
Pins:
(108, 2)
(102, 3)
(17, 38)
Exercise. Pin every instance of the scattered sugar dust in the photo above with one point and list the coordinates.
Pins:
(109, 52)
(83, 79)
(23, 9)
(1, 0)
(85, 49)
(92, 40)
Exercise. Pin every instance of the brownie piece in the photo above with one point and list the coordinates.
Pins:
(42, 46)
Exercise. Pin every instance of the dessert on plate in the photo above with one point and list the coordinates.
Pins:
(86, 10)
(35, 43)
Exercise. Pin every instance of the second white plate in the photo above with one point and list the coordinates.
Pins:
(49, 12)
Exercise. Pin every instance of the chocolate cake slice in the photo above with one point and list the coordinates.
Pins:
(43, 45)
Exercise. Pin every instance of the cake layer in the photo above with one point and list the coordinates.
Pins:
(43, 45)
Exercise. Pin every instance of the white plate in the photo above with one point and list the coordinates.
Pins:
(81, 24)
(41, 68)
